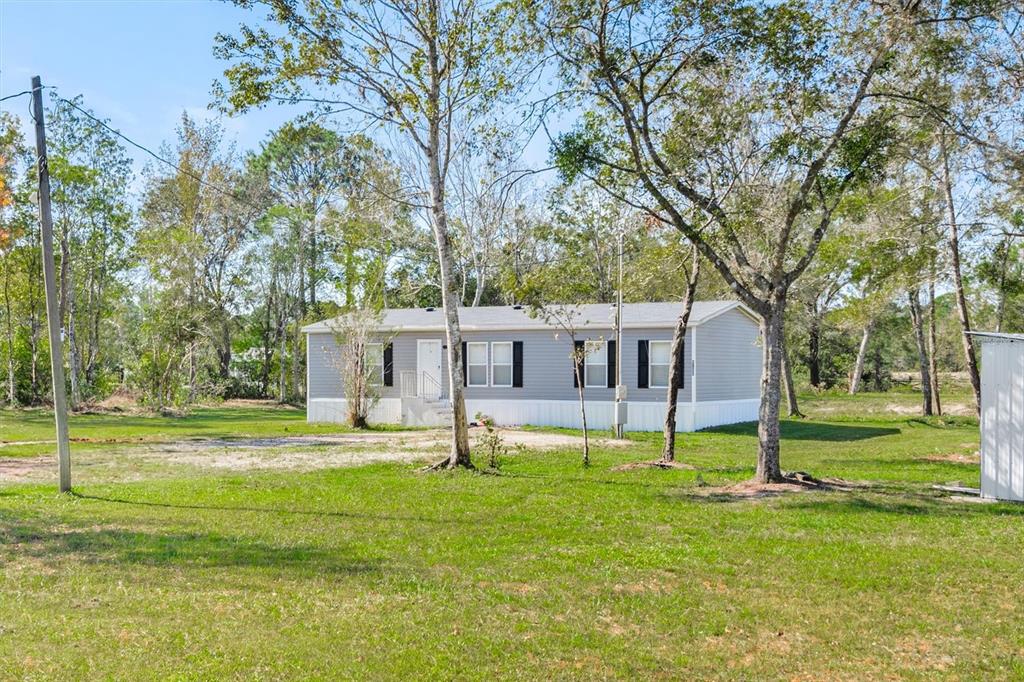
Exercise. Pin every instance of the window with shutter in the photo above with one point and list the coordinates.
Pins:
(659, 360)
(641, 363)
(389, 365)
(596, 370)
(476, 362)
(517, 364)
(611, 364)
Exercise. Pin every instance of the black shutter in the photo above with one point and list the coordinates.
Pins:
(611, 364)
(389, 365)
(465, 366)
(517, 364)
(578, 366)
(681, 367)
(642, 367)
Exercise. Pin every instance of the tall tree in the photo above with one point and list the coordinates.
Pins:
(418, 69)
(90, 173)
(754, 119)
(306, 167)
(198, 223)
(676, 368)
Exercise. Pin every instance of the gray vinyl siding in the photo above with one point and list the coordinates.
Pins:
(547, 365)
(728, 358)
(324, 375)
(548, 369)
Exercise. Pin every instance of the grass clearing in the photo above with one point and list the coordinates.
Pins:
(30, 432)
(544, 570)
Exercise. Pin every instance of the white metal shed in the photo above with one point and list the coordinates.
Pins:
(1002, 415)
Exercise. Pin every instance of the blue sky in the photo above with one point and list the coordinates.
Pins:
(138, 63)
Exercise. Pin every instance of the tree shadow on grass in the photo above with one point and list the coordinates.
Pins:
(273, 510)
(811, 430)
(907, 504)
(198, 550)
(861, 498)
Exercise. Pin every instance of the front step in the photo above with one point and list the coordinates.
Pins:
(442, 410)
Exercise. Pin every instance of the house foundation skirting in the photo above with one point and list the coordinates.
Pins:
(335, 410)
(643, 416)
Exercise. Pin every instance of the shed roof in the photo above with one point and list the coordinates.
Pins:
(997, 336)
(515, 318)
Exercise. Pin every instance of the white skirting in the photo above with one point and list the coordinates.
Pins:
(643, 416)
(334, 410)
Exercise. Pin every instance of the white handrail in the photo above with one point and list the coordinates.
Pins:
(410, 389)
(420, 384)
(430, 388)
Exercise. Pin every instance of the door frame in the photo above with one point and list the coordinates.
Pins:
(440, 359)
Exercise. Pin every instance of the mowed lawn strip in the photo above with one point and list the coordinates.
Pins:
(30, 432)
(544, 570)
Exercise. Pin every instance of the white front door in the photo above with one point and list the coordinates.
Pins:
(428, 366)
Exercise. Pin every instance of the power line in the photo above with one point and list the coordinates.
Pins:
(149, 151)
(23, 92)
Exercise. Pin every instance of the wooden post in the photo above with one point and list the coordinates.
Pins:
(52, 315)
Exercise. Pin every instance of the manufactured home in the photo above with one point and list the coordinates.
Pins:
(519, 369)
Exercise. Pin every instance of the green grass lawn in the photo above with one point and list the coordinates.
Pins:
(545, 570)
(103, 429)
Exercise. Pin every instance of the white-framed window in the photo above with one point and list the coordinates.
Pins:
(501, 363)
(596, 368)
(659, 357)
(476, 363)
(375, 364)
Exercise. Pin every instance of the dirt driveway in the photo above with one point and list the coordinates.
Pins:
(299, 453)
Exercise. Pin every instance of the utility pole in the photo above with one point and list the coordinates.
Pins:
(60, 407)
(619, 388)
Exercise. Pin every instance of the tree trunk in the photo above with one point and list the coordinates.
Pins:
(876, 374)
(917, 319)
(933, 366)
(583, 408)
(814, 350)
(676, 369)
(1001, 292)
(312, 263)
(35, 323)
(193, 373)
(8, 316)
(297, 391)
(74, 361)
(224, 354)
(282, 363)
(787, 375)
(459, 456)
(862, 351)
(958, 285)
(480, 282)
(300, 267)
(768, 462)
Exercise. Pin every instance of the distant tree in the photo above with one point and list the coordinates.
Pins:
(199, 222)
(90, 173)
(306, 167)
(13, 161)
